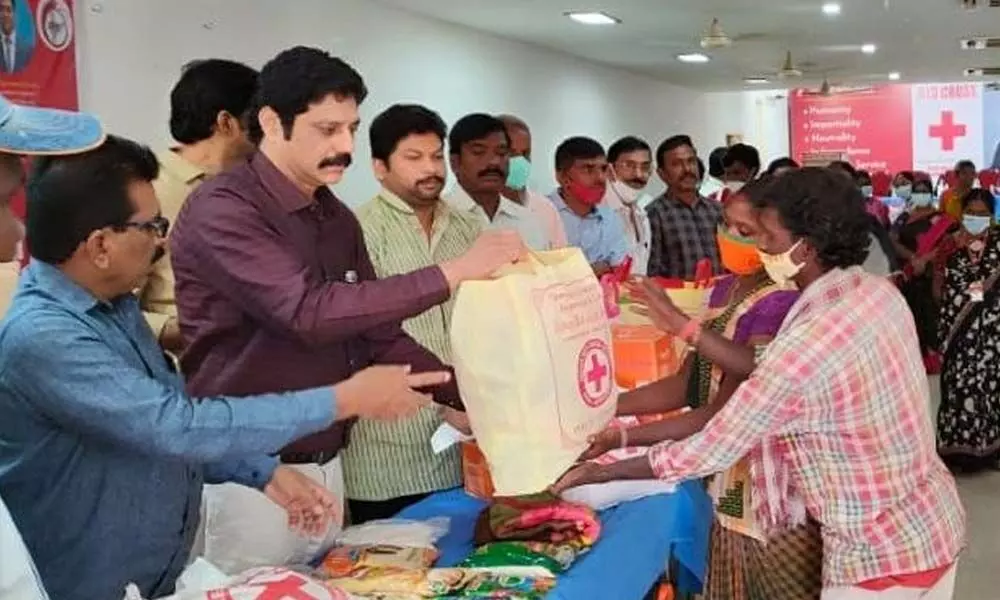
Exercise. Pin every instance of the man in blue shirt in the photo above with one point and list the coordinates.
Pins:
(591, 226)
(102, 454)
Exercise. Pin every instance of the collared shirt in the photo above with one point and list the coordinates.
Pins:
(389, 460)
(600, 234)
(19, 579)
(509, 215)
(276, 292)
(682, 236)
(102, 452)
(846, 397)
(636, 221)
(546, 213)
(178, 178)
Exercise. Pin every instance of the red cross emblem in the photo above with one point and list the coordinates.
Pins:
(594, 373)
(947, 130)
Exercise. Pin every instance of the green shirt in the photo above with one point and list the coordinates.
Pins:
(389, 460)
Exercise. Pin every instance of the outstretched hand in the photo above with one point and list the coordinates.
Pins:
(654, 303)
(583, 473)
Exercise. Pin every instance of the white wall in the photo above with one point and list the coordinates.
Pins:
(761, 117)
(131, 51)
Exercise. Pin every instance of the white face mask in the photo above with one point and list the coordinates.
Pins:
(626, 193)
(867, 191)
(904, 191)
(734, 186)
(780, 267)
(921, 199)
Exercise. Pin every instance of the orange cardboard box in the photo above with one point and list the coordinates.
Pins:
(476, 473)
(642, 354)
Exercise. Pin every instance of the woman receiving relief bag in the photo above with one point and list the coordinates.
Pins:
(744, 312)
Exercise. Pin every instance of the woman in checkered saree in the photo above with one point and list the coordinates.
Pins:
(748, 308)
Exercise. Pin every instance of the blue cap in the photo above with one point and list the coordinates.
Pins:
(33, 130)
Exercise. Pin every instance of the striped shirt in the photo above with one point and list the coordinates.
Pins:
(682, 236)
(389, 460)
(843, 393)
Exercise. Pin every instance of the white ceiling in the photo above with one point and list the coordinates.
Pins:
(919, 38)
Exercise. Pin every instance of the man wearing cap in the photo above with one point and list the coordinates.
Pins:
(26, 131)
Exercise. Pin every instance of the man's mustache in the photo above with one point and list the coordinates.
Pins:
(492, 171)
(341, 160)
(637, 182)
(432, 179)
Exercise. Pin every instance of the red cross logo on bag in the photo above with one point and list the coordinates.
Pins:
(594, 377)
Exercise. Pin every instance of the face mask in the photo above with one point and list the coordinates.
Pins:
(976, 224)
(738, 254)
(921, 199)
(780, 267)
(904, 191)
(734, 186)
(867, 191)
(591, 195)
(518, 173)
(626, 193)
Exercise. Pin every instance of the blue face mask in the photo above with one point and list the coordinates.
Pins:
(518, 172)
(976, 224)
(921, 199)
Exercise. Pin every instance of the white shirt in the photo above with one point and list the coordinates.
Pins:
(636, 221)
(509, 215)
(18, 578)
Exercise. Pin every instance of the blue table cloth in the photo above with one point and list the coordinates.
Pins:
(637, 541)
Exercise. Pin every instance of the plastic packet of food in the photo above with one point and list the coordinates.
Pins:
(405, 533)
(341, 561)
(554, 558)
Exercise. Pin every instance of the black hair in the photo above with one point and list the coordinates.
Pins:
(907, 175)
(715, 167)
(205, 89)
(577, 148)
(826, 209)
(400, 121)
(863, 175)
(781, 163)
(983, 195)
(69, 197)
(626, 145)
(745, 154)
(701, 168)
(669, 144)
(297, 78)
(846, 167)
(474, 127)
(923, 181)
(965, 164)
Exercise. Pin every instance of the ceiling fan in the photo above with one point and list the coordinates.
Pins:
(716, 38)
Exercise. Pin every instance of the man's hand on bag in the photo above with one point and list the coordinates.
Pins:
(491, 250)
(655, 304)
(386, 392)
(311, 508)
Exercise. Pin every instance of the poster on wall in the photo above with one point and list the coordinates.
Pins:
(870, 127)
(923, 127)
(947, 125)
(38, 57)
(991, 124)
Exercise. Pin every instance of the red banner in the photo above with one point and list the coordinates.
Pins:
(871, 128)
(38, 57)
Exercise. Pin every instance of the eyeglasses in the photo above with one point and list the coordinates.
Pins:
(158, 225)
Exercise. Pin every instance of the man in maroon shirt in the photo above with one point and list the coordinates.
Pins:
(275, 289)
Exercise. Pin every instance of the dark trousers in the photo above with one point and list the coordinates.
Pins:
(362, 511)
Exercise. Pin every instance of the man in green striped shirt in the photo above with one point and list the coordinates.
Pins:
(388, 466)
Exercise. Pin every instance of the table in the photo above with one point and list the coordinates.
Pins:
(638, 540)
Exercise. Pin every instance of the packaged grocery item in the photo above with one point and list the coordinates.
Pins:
(532, 355)
(642, 354)
(476, 472)
(554, 558)
(391, 582)
(395, 532)
(341, 561)
(260, 583)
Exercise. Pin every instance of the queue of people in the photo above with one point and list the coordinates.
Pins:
(281, 360)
